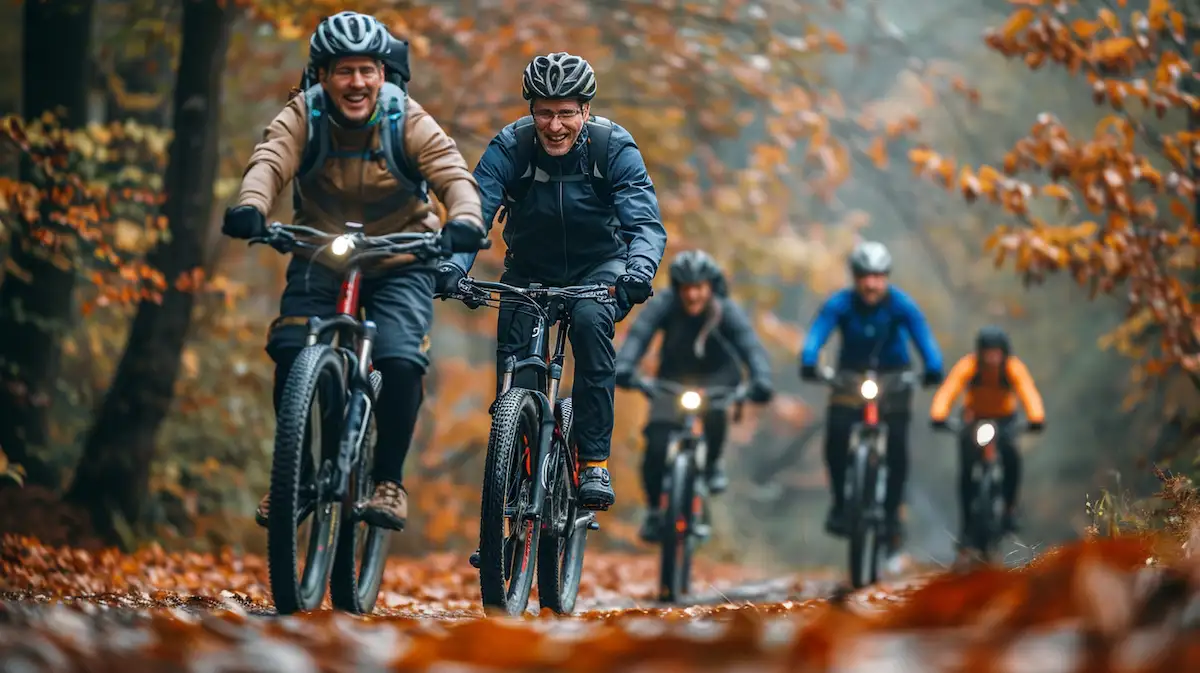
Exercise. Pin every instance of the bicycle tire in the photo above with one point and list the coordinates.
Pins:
(516, 424)
(985, 524)
(316, 380)
(676, 552)
(356, 577)
(863, 533)
(560, 565)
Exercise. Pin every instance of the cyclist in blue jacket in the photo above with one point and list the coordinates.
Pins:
(876, 321)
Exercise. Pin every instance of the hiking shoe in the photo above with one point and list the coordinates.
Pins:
(595, 489)
(835, 522)
(651, 526)
(718, 481)
(388, 507)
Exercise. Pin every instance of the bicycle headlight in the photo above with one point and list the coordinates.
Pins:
(342, 245)
(690, 400)
(984, 434)
(869, 389)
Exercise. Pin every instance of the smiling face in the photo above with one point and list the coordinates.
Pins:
(695, 297)
(559, 123)
(871, 287)
(353, 84)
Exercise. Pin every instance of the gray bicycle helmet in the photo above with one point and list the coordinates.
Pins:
(697, 266)
(349, 34)
(559, 75)
(870, 257)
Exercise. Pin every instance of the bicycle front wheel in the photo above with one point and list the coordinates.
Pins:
(508, 542)
(560, 558)
(308, 428)
(362, 548)
(676, 561)
(865, 545)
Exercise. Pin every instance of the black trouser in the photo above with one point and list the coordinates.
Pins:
(401, 305)
(1010, 460)
(658, 435)
(591, 335)
(841, 420)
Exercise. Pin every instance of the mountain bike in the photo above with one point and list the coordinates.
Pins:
(865, 485)
(684, 500)
(324, 437)
(530, 515)
(985, 525)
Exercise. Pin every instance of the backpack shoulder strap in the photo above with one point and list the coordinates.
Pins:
(599, 133)
(391, 137)
(516, 190)
(316, 148)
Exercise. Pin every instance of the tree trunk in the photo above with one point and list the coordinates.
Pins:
(35, 304)
(113, 475)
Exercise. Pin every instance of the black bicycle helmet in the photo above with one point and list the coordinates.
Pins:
(697, 266)
(870, 257)
(349, 34)
(992, 336)
(559, 75)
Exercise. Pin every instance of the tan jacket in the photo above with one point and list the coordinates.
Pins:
(361, 190)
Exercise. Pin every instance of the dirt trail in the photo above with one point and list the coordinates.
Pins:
(1093, 606)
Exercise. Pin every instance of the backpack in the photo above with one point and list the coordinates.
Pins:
(394, 97)
(599, 134)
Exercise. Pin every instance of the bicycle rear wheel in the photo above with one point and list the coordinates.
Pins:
(362, 548)
(508, 542)
(560, 558)
(676, 559)
(865, 545)
(308, 428)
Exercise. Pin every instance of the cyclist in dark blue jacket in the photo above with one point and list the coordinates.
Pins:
(580, 210)
(876, 321)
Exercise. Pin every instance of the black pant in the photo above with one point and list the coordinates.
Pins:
(841, 420)
(658, 435)
(1010, 459)
(401, 305)
(591, 335)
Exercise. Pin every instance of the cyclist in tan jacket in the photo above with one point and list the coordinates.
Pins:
(361, 151)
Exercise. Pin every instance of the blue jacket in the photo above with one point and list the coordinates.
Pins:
(883, 330)
(560, 230)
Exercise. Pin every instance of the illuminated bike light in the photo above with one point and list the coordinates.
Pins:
(341, 245)
(984, 434)
(869, 389)
(690, 400)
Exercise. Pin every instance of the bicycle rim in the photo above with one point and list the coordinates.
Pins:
(308, 424)
(508, 542)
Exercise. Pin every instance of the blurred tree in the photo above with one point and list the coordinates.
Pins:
(113, 475)
(35, 298)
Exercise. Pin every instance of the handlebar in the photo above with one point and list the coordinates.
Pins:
(830, 376)
(472, 290)
(956, 425)
(651, 387)
(285, 237)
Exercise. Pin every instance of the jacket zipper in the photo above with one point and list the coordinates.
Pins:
(562, 223)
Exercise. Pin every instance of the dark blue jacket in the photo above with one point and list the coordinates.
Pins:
(882, 330)
(561, 229)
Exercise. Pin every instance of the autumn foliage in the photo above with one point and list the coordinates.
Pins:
(1115, 208)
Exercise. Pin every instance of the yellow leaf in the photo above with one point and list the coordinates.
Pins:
(1017, 22)
(1107, 50)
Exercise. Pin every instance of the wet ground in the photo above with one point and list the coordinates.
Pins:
(1106, 606)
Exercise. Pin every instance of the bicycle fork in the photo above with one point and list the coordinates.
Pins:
(358, 414)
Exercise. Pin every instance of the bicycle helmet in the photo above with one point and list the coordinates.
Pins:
(559, 75)
(697, 266)
(870, 257)
(992, 336)
(349, 34)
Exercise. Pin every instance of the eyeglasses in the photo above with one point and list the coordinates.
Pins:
(546, 116)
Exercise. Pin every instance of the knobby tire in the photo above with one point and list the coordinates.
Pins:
(864, 533)
(560, 558)
(516, 425)
(676, 561)
(362, 548)
(316, 376)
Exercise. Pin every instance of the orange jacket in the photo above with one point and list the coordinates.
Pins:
(989, 399)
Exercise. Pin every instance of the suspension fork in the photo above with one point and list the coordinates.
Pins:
(545, 451)
(358, 411)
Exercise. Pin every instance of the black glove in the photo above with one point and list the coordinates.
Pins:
(459, 236)
(932, 377)
(632, 290)
(626, 377)
(808, 373)
(244, 222)
(937, 425)
(448, 276)
(760, 392)
(1037, 427)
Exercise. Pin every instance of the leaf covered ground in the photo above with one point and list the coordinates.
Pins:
(1107, 605)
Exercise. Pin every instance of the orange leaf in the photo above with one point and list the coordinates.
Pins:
(1085, 29)
(1057, 191)
(878, 152)
(1107, 50)
(1018, 21)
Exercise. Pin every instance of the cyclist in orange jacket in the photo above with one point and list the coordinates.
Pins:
(994, 380)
